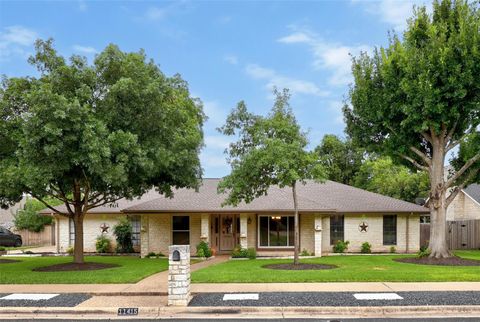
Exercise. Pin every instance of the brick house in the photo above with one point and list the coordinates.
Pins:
(466, 205)
(329, 212)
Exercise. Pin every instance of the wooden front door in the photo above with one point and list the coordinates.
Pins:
(227, 232)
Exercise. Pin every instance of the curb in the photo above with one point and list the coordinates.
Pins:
(236, 312)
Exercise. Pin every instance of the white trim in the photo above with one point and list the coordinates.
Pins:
(288, 235)
(476, 202)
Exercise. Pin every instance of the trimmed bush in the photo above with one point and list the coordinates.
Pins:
(205, 248)
(252, 253)
(239, 252)
(393, 250)
(70, 250)
(366, 248)
(340, 246)
(103, 244)
(200, 253)
(123, 235)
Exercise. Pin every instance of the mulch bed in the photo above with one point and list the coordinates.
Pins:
(7, 261)
(74, 267)
(452, 261)
(299, 267)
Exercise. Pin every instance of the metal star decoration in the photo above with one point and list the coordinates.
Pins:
(363, 227)
(104, 227)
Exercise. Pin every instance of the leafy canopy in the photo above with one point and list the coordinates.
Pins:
(29, 218)
(269, 151)
(91, 134)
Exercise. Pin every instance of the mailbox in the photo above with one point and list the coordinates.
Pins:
(176, 256)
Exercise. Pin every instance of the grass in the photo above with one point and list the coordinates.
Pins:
(131, 270)
(350, 269)
(20, 248)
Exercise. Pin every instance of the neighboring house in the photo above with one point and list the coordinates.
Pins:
(466, 205)
(328, 212)
(7, 216)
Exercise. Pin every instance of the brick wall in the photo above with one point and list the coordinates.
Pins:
(463, 208)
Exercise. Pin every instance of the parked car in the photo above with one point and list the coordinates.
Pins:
(7, 238)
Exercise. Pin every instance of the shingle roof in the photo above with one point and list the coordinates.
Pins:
(312, 197)
(473, 191)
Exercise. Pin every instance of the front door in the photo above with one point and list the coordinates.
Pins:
(227, 232)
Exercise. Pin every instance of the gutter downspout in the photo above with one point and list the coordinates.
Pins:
(407, 233)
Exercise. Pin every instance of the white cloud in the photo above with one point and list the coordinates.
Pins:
(231, 59)
(274, 79)
(216, 115)
(329, 56)
(216, 142)
(336, 107)
(209, 160)
(155, 13)
(393, 12)
(15, 40)
(84, 49)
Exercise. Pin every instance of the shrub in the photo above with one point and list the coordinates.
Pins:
(70, 250)
(151, 254)
(2, 249)
(207, 251)
(28, 252)
(366, 248)
(103, 244)
(239, 252)
(28, 217)
(200, 253)
(304, 253)
(393, 250)
(160, 255)
(340, 246)
(123, 235)
(252, 253)
(423, 252)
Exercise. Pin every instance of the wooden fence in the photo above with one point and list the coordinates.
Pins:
(44, 238)
(464, 234)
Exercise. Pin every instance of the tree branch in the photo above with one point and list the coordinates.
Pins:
(460, 187)
(465, 167)
(415, 163)
(46, 204)
(421, 155)
(427, 137)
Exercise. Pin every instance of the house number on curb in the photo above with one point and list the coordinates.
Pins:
(363, 227)
(128, 311)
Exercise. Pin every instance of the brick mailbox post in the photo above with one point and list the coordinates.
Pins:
(179, 275)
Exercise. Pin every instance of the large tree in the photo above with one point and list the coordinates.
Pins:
(381, 175)
(89, 135)
(419, 98)
(270, 151)
(341, 158)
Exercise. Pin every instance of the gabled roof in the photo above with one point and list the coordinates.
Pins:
(328, 197)
(473, 191)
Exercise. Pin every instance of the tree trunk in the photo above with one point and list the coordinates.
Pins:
(438, 204)
(78, 245)
(297, 230)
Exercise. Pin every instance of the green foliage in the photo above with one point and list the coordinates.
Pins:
(205, 248)
(151, 254)
(2, 249)
(340, 158)
(340, 246)
(201, 253)
(103, 244)
(29, 218)
(102, 131)
(70, 250)
(366, 248)
(270, 151)
(393, 250)
(251, 253)
(423, 252)
(382, 176)
(305, 252)
(123, 235)
(239, 252)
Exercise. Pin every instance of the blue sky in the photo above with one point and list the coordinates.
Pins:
(227, 50)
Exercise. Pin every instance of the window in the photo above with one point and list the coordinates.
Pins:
(181, 230)
(390, 229)
(276, 231)
(337, 228)
(135, 221)
(425, 219)
(71, 232)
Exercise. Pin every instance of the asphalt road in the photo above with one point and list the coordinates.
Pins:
(61, 300)
(284, 299)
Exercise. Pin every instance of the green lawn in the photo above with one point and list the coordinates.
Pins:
(350, 269)
(131, 270)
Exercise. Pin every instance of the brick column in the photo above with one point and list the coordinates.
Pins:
(178, 275)
(244, 230)
(144, 239)
(205, 228)
(318, 235)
